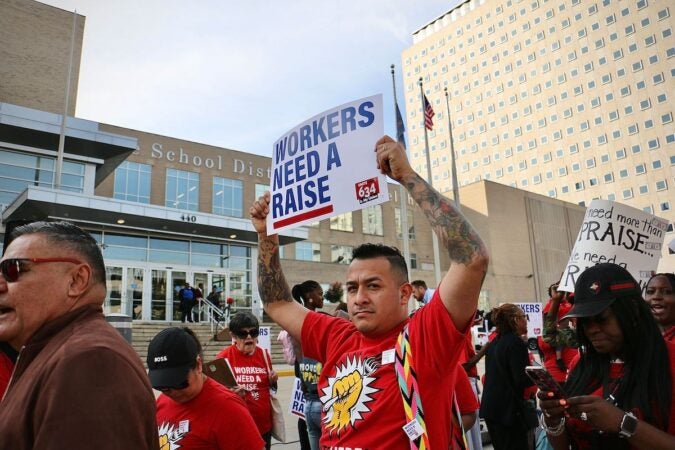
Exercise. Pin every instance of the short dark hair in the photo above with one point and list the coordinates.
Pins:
(419, 283)
(69, 235)
(391, 254)
(243, 319)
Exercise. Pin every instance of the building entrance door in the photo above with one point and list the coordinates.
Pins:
(124, 291)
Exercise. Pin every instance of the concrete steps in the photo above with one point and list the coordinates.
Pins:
(143, 332)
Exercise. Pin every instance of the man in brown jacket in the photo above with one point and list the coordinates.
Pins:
(76, 384)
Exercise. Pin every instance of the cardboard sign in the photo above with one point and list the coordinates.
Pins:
(326, 166)
(616, 233)
(297, 403)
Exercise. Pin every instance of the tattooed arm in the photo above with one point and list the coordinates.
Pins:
(461, 284)
(274, 292)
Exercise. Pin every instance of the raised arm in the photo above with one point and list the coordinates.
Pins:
(274, 292)
(461, 285)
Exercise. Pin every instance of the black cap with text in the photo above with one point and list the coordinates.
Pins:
(171, 355)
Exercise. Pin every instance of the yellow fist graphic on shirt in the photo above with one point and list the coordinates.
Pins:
(347, 394)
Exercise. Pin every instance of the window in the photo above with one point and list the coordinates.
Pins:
(411, 224)
(608, 177)
(372, 220)
(661, 185)
(627, 193)
(307, 251)
(132, 182)
(643, 189)
(341, 254)
(228, 197)
(182, 190)
(640, 169)
(343, 222)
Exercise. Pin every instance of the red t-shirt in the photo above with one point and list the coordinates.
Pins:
(216, 419)
(469, 353)
(466, 399)
(669, 334)
(363, 407)
(250, 371)
(567, 354)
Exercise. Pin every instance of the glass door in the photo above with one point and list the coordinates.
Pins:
(177, 282)
(114, 282)
(158, 300)
(133, 303)
(201, 281)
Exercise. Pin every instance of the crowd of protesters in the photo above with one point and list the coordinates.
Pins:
(377, 377)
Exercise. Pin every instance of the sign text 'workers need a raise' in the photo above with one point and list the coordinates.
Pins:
(326, 165)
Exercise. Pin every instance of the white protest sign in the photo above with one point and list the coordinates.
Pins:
(297, 403)
(535, 321)
(616, 233)
(264, 339)
(326, 166)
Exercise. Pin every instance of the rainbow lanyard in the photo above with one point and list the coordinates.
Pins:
(412, 403)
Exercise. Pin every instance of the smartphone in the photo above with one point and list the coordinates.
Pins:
(544, 380)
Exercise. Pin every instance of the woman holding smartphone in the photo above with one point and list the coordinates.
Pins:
(620, 393)
(505, 381)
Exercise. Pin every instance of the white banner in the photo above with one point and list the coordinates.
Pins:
(297, 403)
(327, 166)
(616, 233)
(535, 320)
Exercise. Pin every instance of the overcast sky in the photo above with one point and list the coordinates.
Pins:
(239, 74)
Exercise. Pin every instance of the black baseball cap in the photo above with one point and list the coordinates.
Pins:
(171, 355)
(599, 286)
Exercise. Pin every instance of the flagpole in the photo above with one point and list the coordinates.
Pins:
(403, 193)
(434, 238)
(62, 134)
(455, 182)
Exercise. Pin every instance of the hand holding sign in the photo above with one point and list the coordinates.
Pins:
(259, 211)
(392, 160)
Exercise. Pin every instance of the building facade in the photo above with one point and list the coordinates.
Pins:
(166, 211)
(570, 99)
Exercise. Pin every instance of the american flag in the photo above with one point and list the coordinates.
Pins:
(428, 114)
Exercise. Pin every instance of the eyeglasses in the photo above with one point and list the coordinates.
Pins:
(179, 387)
(11, 268)
(254, 332)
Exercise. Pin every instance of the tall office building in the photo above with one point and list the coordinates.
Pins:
(566, 98)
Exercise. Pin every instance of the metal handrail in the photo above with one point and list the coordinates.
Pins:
(214, 315)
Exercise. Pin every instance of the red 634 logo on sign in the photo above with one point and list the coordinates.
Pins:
(367, 190)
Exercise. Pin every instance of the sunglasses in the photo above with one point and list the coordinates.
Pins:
(244, 333)
(11, 268)
(179, 387)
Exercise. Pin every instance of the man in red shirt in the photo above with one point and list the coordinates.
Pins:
(363, 359)
(195, 412)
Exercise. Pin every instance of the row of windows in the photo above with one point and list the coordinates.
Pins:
(173, 251)
(491, 26)
(340, 254)
(132, 182)
(21, 170)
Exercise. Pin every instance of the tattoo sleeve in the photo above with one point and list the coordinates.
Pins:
(454, 231)
(271, 281)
